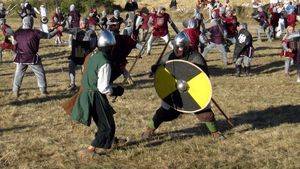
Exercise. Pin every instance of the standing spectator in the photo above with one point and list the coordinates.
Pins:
(131, 5)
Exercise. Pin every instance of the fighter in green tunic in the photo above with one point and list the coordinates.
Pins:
(92, 101)
(165, 112)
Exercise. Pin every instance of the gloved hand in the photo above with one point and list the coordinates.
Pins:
(118, 91)
(154, 68)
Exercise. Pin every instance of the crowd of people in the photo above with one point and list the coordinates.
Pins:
(104, 54)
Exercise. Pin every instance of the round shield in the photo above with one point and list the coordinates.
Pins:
(183, 86)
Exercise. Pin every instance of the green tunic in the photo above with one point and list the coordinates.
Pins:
(90, 94)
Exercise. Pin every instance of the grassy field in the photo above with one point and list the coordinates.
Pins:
(36, 133)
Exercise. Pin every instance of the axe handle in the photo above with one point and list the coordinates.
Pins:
(222, 112)
(163, 52)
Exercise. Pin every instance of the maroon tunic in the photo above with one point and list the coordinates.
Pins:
(145, 21)
(27, 47)
(217, 36)
(60, 19)
(160, 25)
(230, 25)
(291, 19)
(193, 34)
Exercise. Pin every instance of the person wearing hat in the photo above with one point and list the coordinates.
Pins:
(114, 23)
(166, 113)
(158, 24)
(83, 43)
(8, 35)
(27, 41)
(92, 99)
(243, 52)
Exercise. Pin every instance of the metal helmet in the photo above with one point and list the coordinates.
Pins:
(106, 38)
(214, 15)
(198, 16)
(192, 23)
(116, 13)
(161, 8)
(72, 7)
(181, 40)
(27, 22)
(244, 25)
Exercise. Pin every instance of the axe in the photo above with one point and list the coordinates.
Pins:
(228, 119)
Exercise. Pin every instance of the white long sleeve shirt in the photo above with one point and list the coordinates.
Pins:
(103, 83)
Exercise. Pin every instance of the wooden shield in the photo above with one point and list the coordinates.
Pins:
(183, 86)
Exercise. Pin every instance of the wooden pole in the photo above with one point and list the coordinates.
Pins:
(228, 119)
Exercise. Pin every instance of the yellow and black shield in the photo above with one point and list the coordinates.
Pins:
(183, 85)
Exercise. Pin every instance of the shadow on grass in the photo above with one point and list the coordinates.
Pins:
(266, 48)
(269, 68)
(262, 119)
(219, 71)
(40, 99)
(16, 128)
(55, 55)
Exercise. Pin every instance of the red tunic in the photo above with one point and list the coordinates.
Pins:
(160, 25)
(230, 25)
(193, 35)
(145, 21)
(291, 19)
(290, 45)
(6, 44)
(60, 19)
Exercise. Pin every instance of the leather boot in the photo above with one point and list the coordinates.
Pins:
(238, 69)
(247, 71)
